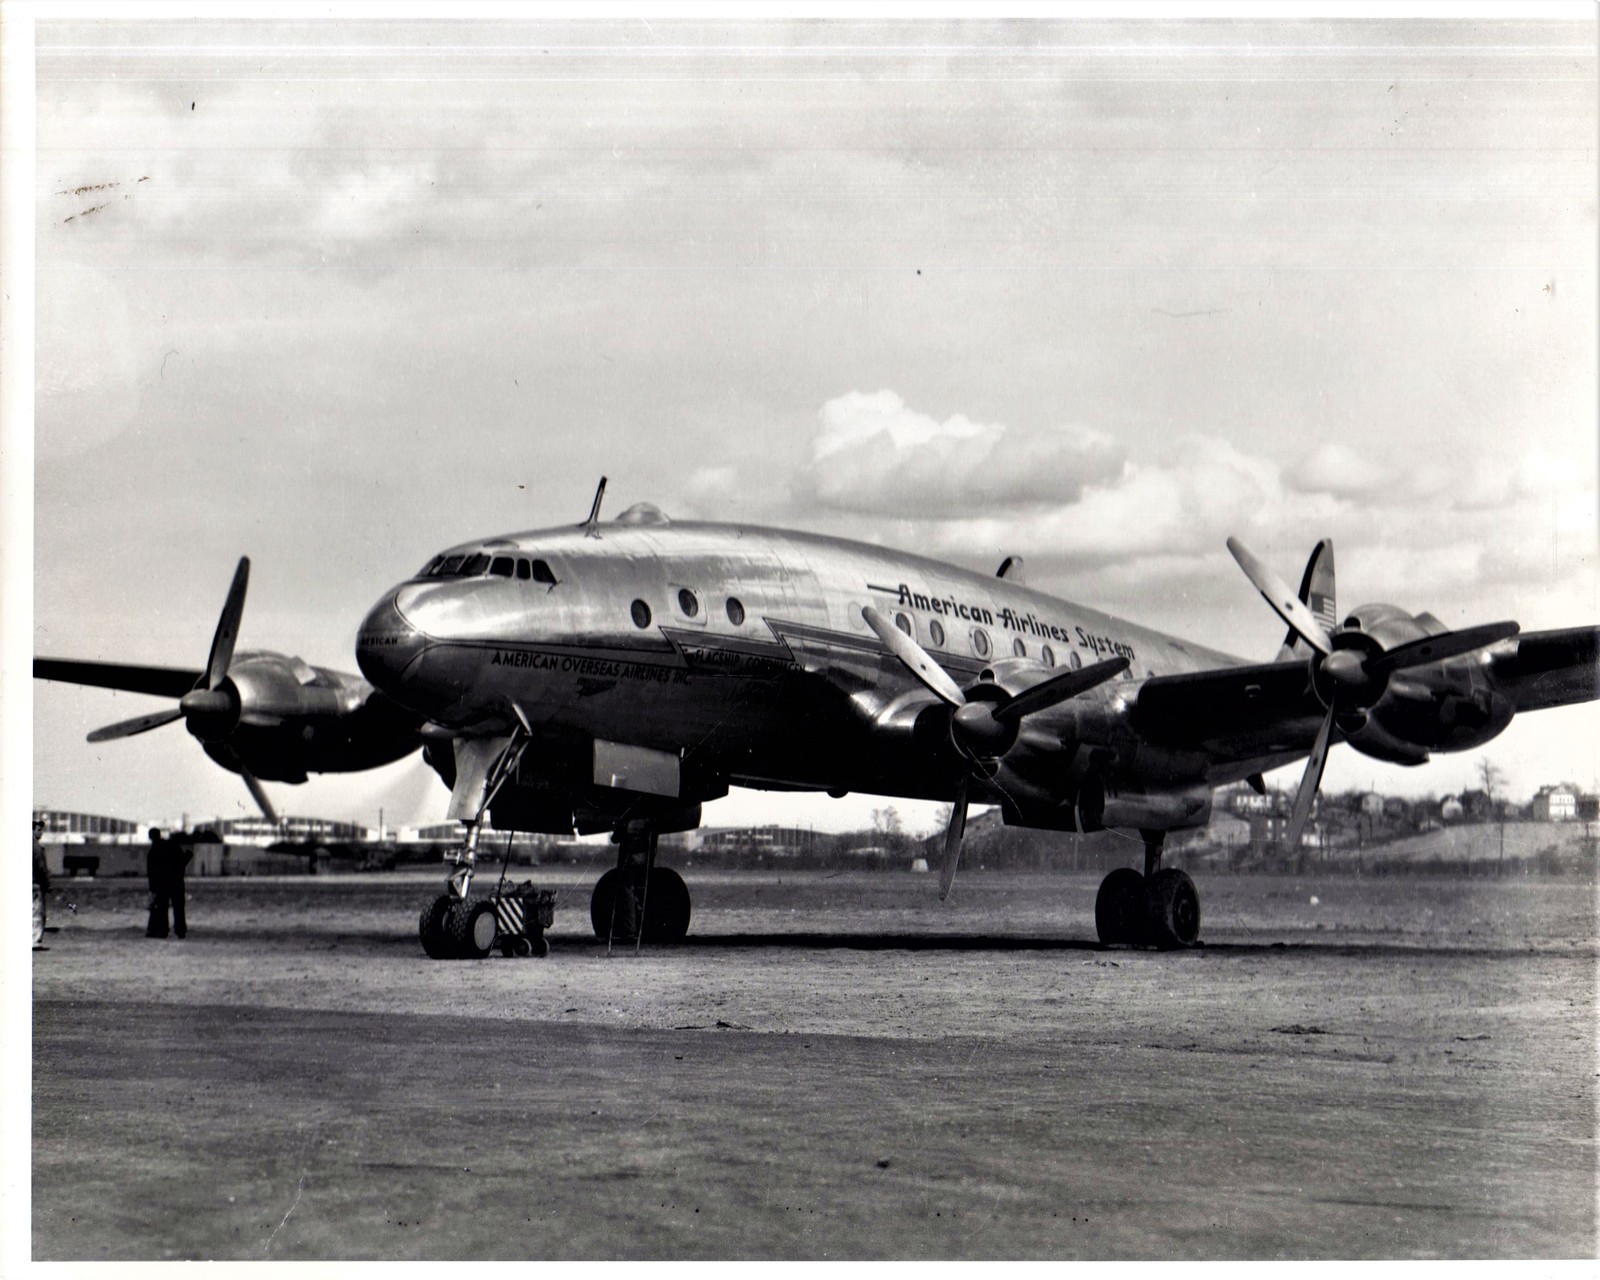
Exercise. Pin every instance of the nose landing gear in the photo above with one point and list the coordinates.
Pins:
(457, 926)
(1160, 908)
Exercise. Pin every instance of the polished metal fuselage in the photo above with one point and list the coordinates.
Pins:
(743, 650)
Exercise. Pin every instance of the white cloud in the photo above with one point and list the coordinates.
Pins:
(875, 454)
(1340, 470)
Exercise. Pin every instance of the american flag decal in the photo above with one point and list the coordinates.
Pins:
(1323, 606)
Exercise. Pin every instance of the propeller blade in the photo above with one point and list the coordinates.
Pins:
(1069, 684)
(1452, 644)
(1285, 603)
(227, 626)
(916, 659)
(1310, 780)
(256, 790)
(139, 724)
(952, 839)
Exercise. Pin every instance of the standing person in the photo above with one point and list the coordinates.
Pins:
(164, 867)
(41, 882)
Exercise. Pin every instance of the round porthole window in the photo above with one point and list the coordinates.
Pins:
(1075, 660)
(1047, 655)
(1019, 649)
(936, 632)
(688, 602)
(641, 614)
(735, 611)
(904, 623)
(980, 643)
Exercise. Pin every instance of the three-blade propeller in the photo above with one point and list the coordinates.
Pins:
(211, 709)
(1349, 676)
(981, 728)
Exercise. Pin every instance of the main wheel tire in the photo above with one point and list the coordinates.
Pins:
(602, 901)
(470, 928)
(1119, 908)
(666, 908)
(430, 928)
(1173, 905)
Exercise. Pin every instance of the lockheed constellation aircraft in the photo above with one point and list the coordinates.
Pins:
(615, 676)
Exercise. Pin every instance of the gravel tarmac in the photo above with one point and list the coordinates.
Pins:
(832, 1066)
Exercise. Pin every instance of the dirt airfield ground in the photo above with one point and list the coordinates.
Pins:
(832, 1066)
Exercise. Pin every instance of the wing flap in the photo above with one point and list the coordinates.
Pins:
(164, 682)
(1233, 712)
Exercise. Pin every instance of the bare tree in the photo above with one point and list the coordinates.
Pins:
(1493, 779)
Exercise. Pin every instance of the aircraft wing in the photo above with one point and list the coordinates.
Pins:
(1230, 712)
(165, 682)
(1549, 668)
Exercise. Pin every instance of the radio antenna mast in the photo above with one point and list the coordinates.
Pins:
(590, 526)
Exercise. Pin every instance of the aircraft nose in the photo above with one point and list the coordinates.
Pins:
(387, 644)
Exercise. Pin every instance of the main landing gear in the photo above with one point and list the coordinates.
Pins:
(637, 901)
(1159, 908)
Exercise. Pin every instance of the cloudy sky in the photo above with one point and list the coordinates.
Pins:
(336, 295)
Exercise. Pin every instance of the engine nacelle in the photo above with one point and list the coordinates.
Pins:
(1101, 806)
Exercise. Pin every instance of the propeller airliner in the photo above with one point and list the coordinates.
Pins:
(617, 675)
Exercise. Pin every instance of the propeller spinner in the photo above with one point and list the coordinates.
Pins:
(211, 709)
(1348, 671)
(981, 728)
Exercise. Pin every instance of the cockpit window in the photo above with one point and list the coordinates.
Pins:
(475, 565)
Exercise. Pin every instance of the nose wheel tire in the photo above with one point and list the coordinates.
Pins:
(1119, 908)
(1174, 910)
(470, 928)
(431, 927)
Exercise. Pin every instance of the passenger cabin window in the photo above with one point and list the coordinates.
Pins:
(688, 603)
(980, 643)
(735, 611)
(502, 566)
(936, 632)
(1018, 648)
(1047, 655)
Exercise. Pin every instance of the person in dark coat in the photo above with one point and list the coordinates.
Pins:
(41, 882)
(165, 867)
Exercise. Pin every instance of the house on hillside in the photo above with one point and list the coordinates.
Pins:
(1555, 804)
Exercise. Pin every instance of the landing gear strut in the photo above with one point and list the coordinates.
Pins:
(1159, 908)
(454, 925)
(637, 901)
